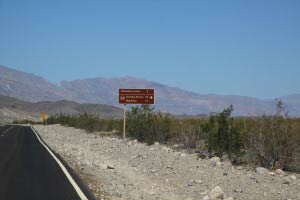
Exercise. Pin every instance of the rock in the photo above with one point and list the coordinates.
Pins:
(199, 181)
(133, 157)
(238, 190)
(96, 163)
(190, 183)
(286, 181)
(280, 172)
(215, 159)
(153, 170)
(240, 168)
(229, 198)
(165, 149)
(225, 173)
(129, 143)
(272, 173)
(156, 143)
(206, 198)
(110, 167)
(216, 193)
(152, 192)
(293, 177)
(103, 166)
(135, 141)
(261, 170)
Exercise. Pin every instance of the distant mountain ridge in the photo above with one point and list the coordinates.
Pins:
(33, 88)
(12, 108)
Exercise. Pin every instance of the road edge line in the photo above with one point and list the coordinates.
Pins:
(63, 168)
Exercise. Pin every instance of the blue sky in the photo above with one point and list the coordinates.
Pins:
(238, 47)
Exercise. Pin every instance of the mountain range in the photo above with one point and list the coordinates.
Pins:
(14, 109)
(30, 87)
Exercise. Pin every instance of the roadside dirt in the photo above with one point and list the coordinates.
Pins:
(117, 169)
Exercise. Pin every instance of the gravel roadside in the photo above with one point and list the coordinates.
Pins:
(117, 169)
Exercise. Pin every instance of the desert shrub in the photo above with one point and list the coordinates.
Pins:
(148, 126)
(273, 141)
(26, 121)
(87, 122)
(222, 135)
(186, 131)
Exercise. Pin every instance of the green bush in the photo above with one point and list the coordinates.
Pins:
(222, 134)
(87, 122)
(273, 141)
(147, 126)
(25, 121)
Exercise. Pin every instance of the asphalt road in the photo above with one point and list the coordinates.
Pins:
(30, 170)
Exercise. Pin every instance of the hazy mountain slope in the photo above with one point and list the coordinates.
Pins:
(26, 86)
(168, 99)
(67, 107)
(292, 104)
(29, 87)
(74, 108)
(8, 115)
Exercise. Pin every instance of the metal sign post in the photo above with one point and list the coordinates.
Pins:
(124, 124)
(134, 96)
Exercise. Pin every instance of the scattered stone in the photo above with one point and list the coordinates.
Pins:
(238, 190)
(293, 177)
(169, 167)
(216, 193)
(102, 166)
(280, 172)
(206, 198)
(135, 141)
(182, 155)
(272, 173)
(286, 181)
(190, 183)
(225, 173)
(261, 170)
(199, 181)
(240, 168)
(229, 198)
(156, 143)
(110, 167)
(152, 192)
(215, 159)
(167, 149)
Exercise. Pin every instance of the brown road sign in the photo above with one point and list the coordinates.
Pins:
(136, 96)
